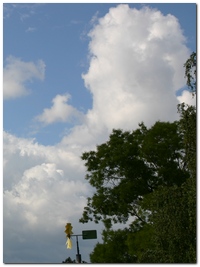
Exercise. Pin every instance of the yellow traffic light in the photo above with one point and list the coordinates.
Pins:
(68, 231)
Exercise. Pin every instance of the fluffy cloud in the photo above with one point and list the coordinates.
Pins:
(60, 111)
(44, 188)
(187, 98)
(22, 154)
(17, 73)
(136, 67)
(44, 191)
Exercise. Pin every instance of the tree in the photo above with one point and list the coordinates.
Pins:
(139, 241)
(187, 125)
(126, 171)
(149, 177)
(172, 236)
(129, 166)
(114, 248)
(69, 260)
(174, 208)
(190, 72)
(188, 129)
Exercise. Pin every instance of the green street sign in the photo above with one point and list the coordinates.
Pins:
(89, 234)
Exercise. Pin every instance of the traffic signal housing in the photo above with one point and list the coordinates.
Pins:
(68, 230)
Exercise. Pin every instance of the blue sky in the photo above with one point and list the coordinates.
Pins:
(72, 73)
(37, 32)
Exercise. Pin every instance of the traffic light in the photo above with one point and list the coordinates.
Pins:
(68, 231)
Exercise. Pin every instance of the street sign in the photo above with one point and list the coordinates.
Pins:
(89, 234)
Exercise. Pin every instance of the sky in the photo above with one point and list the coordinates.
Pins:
(73, 72)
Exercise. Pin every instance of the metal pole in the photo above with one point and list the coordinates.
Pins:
(78, 256)
(77, 244)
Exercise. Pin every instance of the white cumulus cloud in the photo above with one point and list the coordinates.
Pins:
(17, 73)
(187, 98)
(60, 111)
(44, 188)
(136, 67)
(135, 71)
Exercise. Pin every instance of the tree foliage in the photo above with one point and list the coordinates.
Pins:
(147, 176)
(131, 165)
(114, 249)
(190, 72)
(69, 260)
(172, 231)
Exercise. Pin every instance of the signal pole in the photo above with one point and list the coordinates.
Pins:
(87, 234)
(78, 256)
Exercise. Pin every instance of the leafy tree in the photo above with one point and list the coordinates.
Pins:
(69, 260)
(190, 72)
(126, 171)
(114, 249)
(173, 238)
(188, 129)
(129, 166)
(187, 126)
(149, 176)
(174, 208)
(139, 240)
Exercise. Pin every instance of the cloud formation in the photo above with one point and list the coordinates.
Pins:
(17, 73)
(136, 66)
(43, 189)
(187, 98)
(60, 111)
(135, 72)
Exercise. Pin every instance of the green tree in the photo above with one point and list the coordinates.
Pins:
(139, 241)
(190, 72)
(129, 166)
(188, 127)
(69, 260)
(172, 236)
(174, 208)
(149, 176)
(114, 248)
